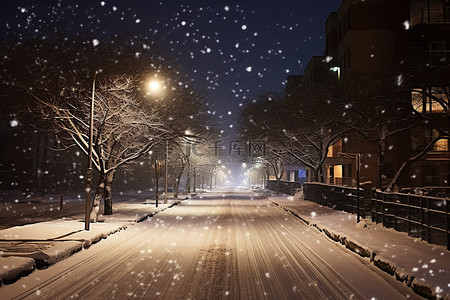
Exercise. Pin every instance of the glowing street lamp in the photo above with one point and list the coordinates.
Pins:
(338, 70)
(155, 86)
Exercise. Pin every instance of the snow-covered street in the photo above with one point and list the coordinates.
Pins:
(220, 245)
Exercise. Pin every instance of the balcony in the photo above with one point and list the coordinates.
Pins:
(430, 16)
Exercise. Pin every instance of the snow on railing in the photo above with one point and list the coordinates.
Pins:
(420, 216)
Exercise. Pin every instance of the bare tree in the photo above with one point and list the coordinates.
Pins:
(125, 129)
(300, 126)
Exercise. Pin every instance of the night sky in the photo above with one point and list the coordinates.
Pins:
(230, 51)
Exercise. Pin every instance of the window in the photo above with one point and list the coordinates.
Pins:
(430, 100)
(330, 151)
(441, 145)
(417, 100)
(437, 54)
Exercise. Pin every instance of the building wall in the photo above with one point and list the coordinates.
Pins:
(385, 37)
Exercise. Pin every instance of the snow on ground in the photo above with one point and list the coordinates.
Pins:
(425, 267)
(232, 245)
(416, 264)
(15, 267)
(40, 244)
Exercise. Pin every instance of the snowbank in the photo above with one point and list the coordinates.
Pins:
(15, 267)
(423, 267)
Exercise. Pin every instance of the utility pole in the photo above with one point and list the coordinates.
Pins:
(357, 157)
(166, 171)
(157, 166)
(89, 169)
(358, 168)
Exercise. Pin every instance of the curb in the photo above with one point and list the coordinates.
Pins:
(418, 287)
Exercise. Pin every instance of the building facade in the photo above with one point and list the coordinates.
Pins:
(407, 43)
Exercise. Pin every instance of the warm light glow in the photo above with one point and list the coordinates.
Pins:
(155, 86)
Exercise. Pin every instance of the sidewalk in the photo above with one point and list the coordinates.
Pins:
(38, 245)
(423, 267)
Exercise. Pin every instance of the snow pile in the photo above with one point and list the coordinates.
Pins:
(15, 267)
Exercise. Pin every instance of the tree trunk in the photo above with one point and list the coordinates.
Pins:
(103, 191)
(177, 185)
(380, 161)
(316, 175)
(99, 194)
(278, 185)
(409, 161)
(107, 192)
(188, 179)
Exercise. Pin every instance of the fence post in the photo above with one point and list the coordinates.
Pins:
(409, 215)
(395, 211)
(383, 198)
(428, 221)
(447, 223)
(376, 208)
(61, 202)
(421, 218)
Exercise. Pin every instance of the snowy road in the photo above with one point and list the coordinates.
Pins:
(230, 245)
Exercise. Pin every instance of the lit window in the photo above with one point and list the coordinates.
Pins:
(437, 99)
(417, 100)
(330, 151)
(430, 100)
(441, 145)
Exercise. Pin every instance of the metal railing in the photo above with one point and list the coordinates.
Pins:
(348, 181)
(420, 216)
(286, 187)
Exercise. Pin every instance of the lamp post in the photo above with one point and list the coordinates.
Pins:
(357, 157)
(166, 171)
(155, 87)
(89, 168)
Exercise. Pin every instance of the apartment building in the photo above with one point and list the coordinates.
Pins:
(408, 42)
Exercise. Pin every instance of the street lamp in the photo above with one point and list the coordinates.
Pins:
(338, 70)
(155, 86)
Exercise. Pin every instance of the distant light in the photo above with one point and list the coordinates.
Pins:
(244, 27)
